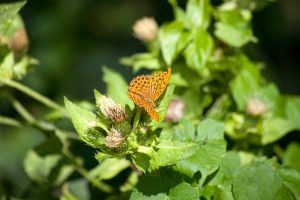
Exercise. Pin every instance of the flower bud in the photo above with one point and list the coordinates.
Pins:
(256, 107)
(111, 110)
(145, 29)
(114, 139)
(175, 110)
(19, 41)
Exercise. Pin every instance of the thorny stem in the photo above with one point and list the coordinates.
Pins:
(44, 100)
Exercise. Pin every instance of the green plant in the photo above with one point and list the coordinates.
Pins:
(224, 144)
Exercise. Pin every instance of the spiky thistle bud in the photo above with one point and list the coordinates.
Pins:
(114, 139)
(175, 110)
(112, 110)
(145, 29)
(256, 107)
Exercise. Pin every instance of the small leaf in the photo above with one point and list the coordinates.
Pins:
(198, 13)
(142, 60)
(6, 67)
(8, 12)
(233, 26)
(275, 128)
(173, 39)
(85, 123)
(109, 168)
(38, 168)
(76, 189)
(197, 52)
(292, 110)
(291, 156)
(116, 87)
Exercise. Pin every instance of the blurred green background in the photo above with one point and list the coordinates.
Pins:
(73, 39)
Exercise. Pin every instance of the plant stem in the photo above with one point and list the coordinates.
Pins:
(44, 100)
(9, 121)
(100, 185)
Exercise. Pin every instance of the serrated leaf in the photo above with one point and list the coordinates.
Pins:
(116, 87)
(207, 158)
(259, 181)
(173, 39)
(170, 152)
(164, 184)
(85, 123)
(291, 179)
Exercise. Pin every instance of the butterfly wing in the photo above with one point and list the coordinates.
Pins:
(148, 105)
(158, 83)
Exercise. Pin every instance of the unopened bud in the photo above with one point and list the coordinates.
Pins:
(175, 110)
(112, 110)
(114, 139)
(256, 107)
(19, 41)
(145, 29)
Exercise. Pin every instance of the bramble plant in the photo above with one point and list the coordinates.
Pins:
(219, 127)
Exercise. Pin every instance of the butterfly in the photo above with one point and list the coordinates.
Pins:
(145, 89)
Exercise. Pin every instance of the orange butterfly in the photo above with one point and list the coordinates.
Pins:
(145, 89)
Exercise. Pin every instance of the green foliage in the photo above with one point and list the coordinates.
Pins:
(220, 128)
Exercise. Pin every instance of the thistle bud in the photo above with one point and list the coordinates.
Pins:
(145, 29)
(256, 107)
(114, 139)
(112, 110)
(19, 41)
(175, 110)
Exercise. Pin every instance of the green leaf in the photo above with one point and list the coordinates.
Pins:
(8, 16)
(198, 52)
(75, 189)
(234, 26)
(183, 191)
(246, 84)
(116, 87)
(292, 110)
(6, 67)
(142, 60)
(20, 69)
(163, 105)
(259, 181)
(164, 184)
(170, 152)
(109, 168)
(38, 168)
(85, 123)
(291, 179)
(291, 156)
(274, 128)
(198, 13)
(173, 39)
(208, 157)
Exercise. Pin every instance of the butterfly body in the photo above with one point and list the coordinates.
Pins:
(144, 90)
